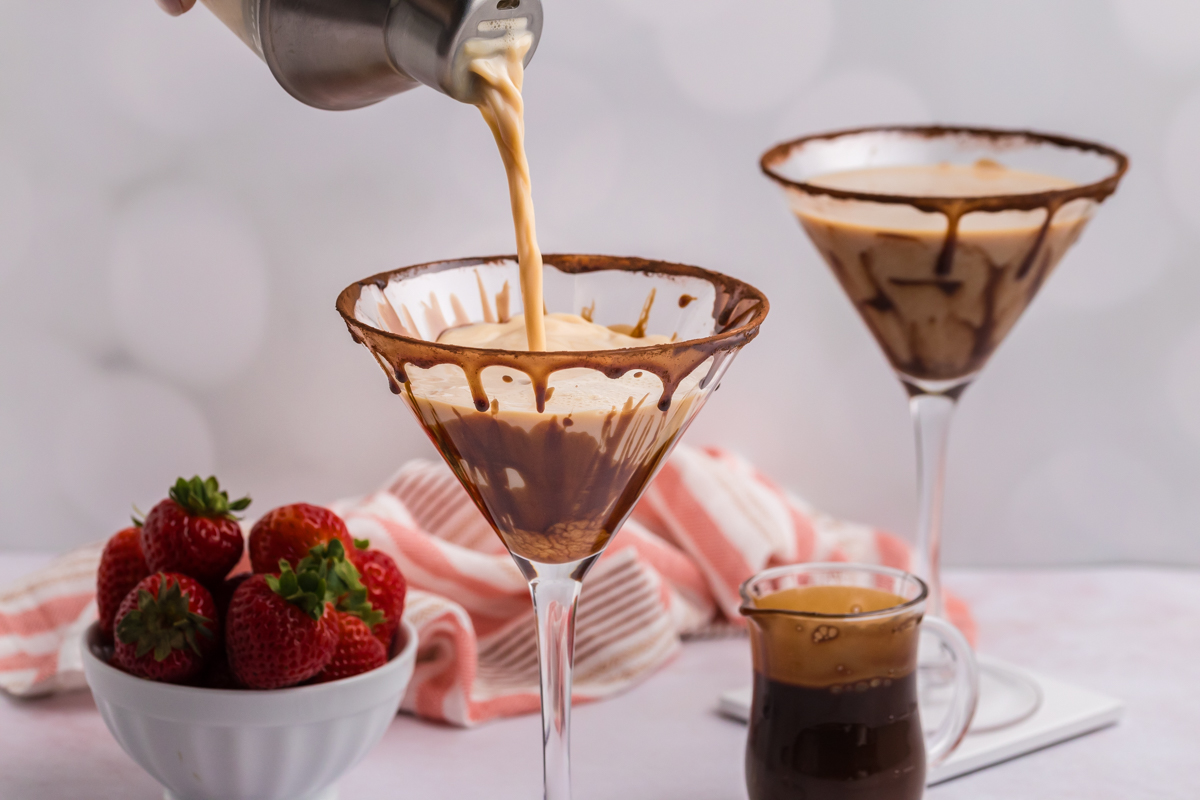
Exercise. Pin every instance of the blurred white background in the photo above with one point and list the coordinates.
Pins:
(174, 229)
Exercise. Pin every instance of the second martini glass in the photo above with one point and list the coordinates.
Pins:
(555, 448)
(940, 278)
(941, 237)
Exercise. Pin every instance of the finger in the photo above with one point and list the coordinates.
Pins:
(176, 7)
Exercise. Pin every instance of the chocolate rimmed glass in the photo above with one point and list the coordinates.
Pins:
(555, 448)
(941, 280)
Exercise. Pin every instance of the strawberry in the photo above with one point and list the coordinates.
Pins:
(358, 650)
(194, 531)
(122, 567)
(280, 629)
(166, 628)
(289, 532)
(386, 587)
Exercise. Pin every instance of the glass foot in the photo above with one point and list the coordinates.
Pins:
(1007, 696)
(328, 793)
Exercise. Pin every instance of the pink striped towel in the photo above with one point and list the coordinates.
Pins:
(707, 522)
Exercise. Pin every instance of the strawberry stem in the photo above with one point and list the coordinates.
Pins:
(305, 589)
(205, 498)
(164, 623)
(323, 576)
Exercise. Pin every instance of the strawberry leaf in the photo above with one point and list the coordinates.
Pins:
(164, 623)
(344, 587)
(305, 589)
(356, 603)
(204, 498)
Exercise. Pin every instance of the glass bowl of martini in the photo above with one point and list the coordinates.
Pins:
(555, 446)
(941, 237)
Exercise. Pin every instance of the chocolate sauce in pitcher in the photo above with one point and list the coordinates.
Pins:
(834, 714)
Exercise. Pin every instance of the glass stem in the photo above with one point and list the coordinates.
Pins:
(931, 416)
(555, 597)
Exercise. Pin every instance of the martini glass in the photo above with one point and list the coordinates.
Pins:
(941, 280)
(555, 448)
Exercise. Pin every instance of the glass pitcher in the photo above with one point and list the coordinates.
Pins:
(834, 714)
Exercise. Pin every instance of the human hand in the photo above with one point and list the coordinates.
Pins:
(176, 7)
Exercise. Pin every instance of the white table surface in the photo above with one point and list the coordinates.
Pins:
(1130, 632)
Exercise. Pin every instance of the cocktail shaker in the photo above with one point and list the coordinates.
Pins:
(342, 54)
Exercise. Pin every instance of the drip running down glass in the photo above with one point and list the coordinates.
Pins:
(555, 447)
(941, 237)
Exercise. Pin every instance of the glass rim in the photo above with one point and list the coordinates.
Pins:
(1097, 190)
(748, 609)
(738, 289)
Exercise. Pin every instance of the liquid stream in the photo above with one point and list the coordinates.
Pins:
(499, 64)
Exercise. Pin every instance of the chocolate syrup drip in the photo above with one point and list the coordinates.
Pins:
(553, 492)
(916, 350)
(945, 262)
(639, 330)
(564, 506)
(904, 339)
(738, 311)
(946, 206)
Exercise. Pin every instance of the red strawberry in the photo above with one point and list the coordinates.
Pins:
(289, 532)
(386, 588)
(166, 628)
(357, 650)
(280, 630)
(122, 566)
(194, 531)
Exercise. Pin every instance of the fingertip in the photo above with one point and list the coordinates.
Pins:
(187, 4)
(174, 7)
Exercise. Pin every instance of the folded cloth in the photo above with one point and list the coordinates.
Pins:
(707, 522)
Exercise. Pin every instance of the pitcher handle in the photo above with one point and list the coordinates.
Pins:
(954, 725)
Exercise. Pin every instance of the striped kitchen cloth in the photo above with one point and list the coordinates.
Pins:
(707, 522)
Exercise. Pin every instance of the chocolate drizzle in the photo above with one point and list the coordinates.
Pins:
(950, 340)
(738, 311)
(557, 486)
(954, 208)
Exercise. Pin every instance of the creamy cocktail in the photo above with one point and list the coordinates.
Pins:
(941, 237)
(938, 315)
(555, 483)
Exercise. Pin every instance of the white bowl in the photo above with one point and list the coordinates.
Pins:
(227, 744)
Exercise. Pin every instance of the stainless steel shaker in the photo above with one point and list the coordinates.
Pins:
(341, 54)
